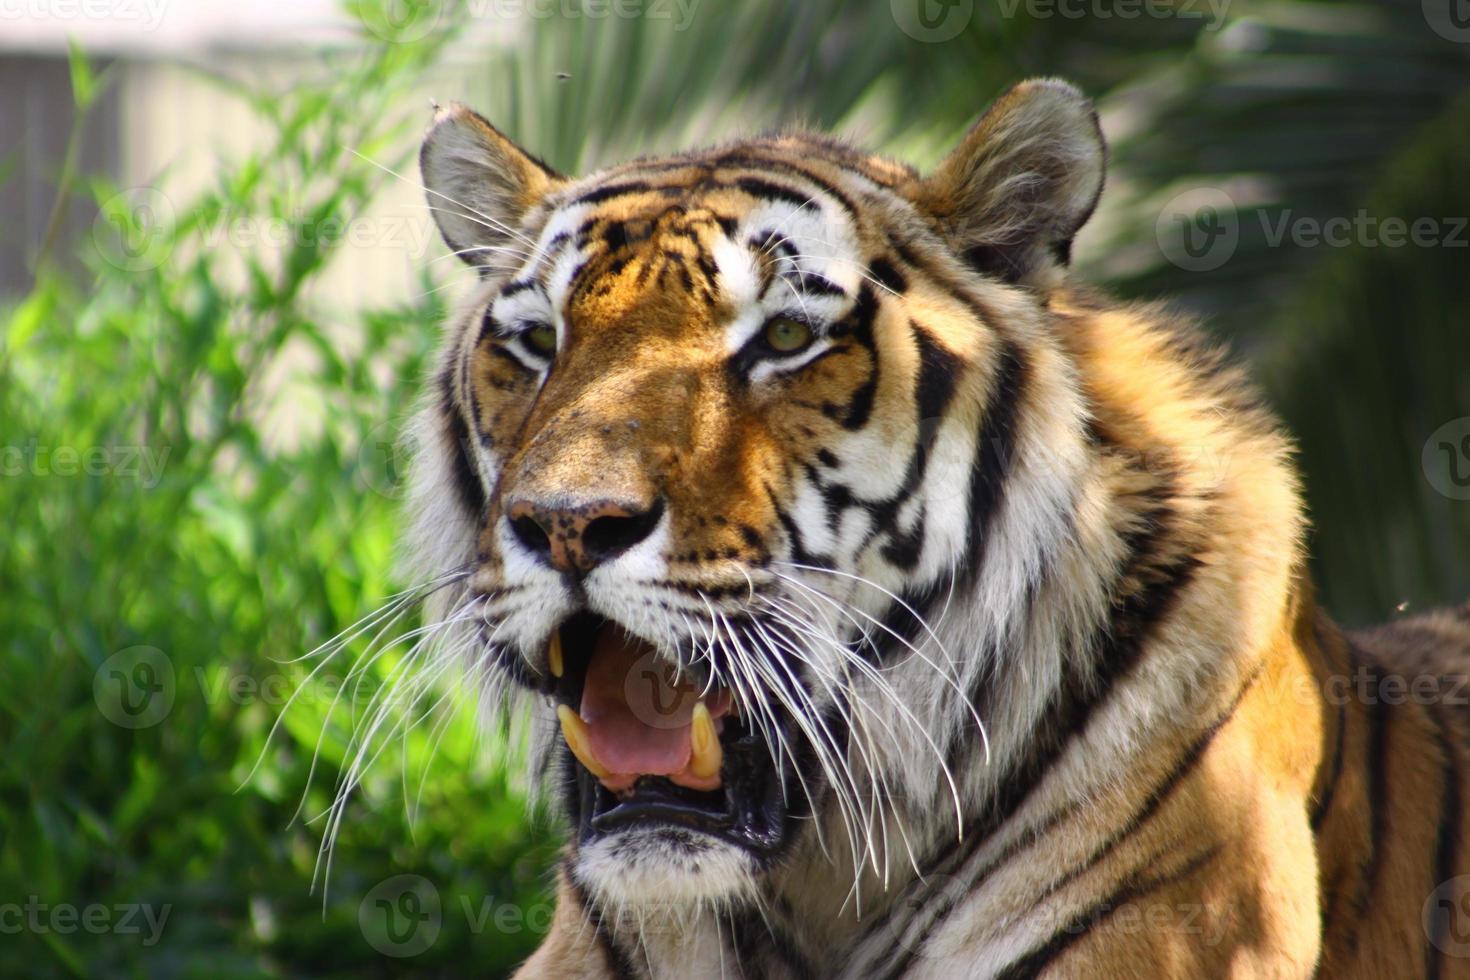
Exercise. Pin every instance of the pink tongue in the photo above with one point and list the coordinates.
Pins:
(637, 712)
(637, 718)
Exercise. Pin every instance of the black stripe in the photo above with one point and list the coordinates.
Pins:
(466, 481)
(619, 963)
(888, 275)
(939, 276)
(758, 941)
(1324, 801)
(489, 327)
(552, 248)
(1377, 720)
(519, 286)
(938, 370)
(609, 191)
(1117, 646)
(1186, 764)
(1131, 890)
(738, 159)
(934, 389)
(760, 187)
(859, 325)
(995, 448)
(1446, 861)
(815, 284)
(1329, 789)
(794, 537)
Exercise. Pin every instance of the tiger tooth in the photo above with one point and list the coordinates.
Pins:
(553, 654)
(574, 730)
(704, 742)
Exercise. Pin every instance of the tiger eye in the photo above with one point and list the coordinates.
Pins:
(541, 339)
(787, 336)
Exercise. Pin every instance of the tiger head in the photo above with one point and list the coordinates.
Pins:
(714, 458)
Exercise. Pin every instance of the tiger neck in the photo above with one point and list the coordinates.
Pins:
(1181, 551)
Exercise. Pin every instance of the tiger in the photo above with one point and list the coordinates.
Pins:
(880, 601)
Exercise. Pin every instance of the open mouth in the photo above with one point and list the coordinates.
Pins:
(656, 744)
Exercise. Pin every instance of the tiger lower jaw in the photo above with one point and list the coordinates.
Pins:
(673, 795)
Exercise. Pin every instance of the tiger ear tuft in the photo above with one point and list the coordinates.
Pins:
(480, 184)
(1022, 182)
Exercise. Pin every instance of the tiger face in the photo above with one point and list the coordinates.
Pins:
(713, 440)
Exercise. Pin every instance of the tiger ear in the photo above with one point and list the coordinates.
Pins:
(480, 184)
(1022, 182)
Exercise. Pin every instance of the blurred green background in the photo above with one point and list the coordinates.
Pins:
(200, 477)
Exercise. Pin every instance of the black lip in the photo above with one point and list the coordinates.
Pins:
(749, 810)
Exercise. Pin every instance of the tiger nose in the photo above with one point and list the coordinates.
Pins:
(578, 539)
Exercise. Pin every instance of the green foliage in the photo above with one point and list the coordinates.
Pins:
(158, 498)
(198, 451)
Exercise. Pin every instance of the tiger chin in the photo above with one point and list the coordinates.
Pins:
(885, 603)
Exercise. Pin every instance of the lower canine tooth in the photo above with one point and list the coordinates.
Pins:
(574, 730)
(705, 752)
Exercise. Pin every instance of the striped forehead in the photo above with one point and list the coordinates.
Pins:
(775, 245)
